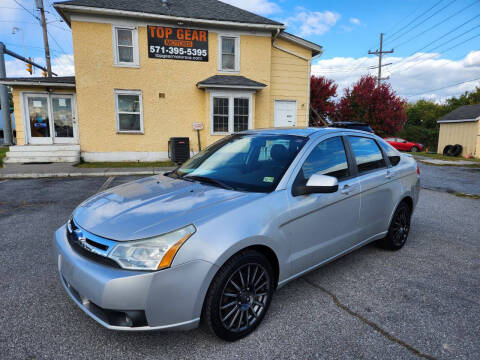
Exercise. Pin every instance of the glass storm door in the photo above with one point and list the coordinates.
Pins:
(51, 119)
(38, 119)
(64, 122)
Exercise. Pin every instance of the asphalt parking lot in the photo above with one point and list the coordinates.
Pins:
(420, 302)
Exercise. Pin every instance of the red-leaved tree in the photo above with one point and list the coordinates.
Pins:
(378, 106)
(322, 90)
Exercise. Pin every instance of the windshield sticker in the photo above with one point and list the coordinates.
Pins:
(268, 179)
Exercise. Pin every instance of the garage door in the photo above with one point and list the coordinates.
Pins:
(285, 113)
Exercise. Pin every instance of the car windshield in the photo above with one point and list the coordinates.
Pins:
(244, 162)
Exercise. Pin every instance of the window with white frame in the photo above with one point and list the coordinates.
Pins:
(229, 53)
(231, 113)
(125, 40)
(128, 109)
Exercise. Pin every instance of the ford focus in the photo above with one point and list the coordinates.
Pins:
(212, 240)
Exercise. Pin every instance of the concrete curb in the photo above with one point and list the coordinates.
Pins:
(79, 174)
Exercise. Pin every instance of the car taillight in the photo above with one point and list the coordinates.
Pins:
(418, 170)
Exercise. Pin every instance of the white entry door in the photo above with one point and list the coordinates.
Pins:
(285, 113)
(51, 119)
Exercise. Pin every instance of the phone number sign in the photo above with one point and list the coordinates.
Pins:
(177, 43)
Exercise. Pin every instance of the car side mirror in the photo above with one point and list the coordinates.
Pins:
(318, 184)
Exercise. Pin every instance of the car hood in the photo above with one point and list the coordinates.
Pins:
(152, 206)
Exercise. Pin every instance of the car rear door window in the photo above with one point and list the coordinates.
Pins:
(327, 158)
(367, 154)
(392, 154)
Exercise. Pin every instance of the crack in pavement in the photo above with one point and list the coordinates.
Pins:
(369, 322)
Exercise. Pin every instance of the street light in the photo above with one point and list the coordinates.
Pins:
(14, 31)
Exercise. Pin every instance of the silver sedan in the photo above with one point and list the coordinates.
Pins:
(214, 238)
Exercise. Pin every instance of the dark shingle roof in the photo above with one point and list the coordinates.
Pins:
(197, 9)
(60, 80)
(463, 113)
(233, 81)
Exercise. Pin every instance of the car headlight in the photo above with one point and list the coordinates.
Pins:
(151, 254)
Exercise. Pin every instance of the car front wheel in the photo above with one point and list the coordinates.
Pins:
(239, 295)
(414, 149)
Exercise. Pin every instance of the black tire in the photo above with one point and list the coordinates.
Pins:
(239, 295)
(456, 150)
(447, 149)
(414, 149)
(399, 228)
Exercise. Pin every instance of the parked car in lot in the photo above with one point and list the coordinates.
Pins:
(404, 145)
(213, 239)
(354, 125)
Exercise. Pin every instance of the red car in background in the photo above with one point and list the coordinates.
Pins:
(404, 145)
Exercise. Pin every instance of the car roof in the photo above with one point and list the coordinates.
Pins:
(302, 131)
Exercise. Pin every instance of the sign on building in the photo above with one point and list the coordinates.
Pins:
(177, 43)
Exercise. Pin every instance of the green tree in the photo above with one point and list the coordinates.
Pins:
(423, 115)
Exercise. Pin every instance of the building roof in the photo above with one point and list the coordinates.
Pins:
(317, 49)
(230, 82)
(192, 9)
(464, 113)
(59, 81)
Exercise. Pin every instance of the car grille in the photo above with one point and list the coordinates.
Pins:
(76, 245)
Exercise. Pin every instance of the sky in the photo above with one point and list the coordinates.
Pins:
(436, 43)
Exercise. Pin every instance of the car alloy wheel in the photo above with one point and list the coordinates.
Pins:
(399, 228)
(244, 297)
(239, 295)
(414, 149)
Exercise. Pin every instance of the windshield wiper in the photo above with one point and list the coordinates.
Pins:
(208, 180)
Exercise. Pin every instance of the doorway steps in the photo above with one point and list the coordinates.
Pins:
(31, 154)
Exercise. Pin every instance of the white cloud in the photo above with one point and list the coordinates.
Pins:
(417, 74)
(61, 65)
(355, 21)
(263, 7)
(306, 22)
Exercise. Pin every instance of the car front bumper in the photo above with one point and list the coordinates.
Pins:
(134, 300)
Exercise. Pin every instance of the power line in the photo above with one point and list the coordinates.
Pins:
(419, 16)
(428, 18)
(435, 40)
(434, 26)
(24, 8)
(450, 48)
(445, 87)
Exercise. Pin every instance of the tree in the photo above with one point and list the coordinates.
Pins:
(422, 124)
(378, 106)
(322, 106)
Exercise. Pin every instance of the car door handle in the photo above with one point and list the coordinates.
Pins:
(388, 175)
(345, 189)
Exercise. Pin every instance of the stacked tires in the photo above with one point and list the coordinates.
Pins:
(452, 150)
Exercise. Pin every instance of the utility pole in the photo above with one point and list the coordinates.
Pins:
(4, 102)
(380, 53)
(45, 37)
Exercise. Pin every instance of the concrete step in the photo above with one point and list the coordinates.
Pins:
(41, 159)
(19, 154)
(43, 148)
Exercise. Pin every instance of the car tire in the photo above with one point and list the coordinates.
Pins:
(414, 149)
(239, 296)
(456, 150)
(447, 149)
(399, 228)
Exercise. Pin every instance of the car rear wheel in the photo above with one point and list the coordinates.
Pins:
(239, 295)
(414, 149)
(399, 228)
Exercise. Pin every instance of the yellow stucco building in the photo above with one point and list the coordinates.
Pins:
(147, 71)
